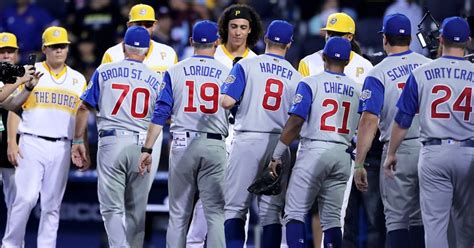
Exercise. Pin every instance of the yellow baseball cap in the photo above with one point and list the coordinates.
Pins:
(141, 12)
(8, 40)
(340, 22)
(55, 35)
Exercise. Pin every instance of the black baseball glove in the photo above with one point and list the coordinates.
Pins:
(266, 184)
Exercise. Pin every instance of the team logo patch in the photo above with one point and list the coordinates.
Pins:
(298, 98)
(237, 13)
(5, 38)
(333, 21)
(89, 86)
(142, 12)
(56, 33)
(230, 79)
(366, 94)
(74, 81)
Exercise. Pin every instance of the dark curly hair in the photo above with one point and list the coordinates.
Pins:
(255, 24)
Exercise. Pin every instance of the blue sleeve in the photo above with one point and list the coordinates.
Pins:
(408, 103)
(302, 101)
(164, 103)
(92, 93)
(234, 85)
(372, 96)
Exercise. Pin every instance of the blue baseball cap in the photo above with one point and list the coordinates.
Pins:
(455, 29)
(280, 31)
(205, 32)
(396, 24)
(338, 48)
(137, 36)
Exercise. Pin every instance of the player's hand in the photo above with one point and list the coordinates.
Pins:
(80, 157)
(389, 166)
(144, 163)
(272, 167)
(34, 79)
(13, 153)
(360, 179)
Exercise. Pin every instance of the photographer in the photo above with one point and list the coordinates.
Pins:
(9, 54)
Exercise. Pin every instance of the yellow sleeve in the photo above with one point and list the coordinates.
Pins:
(106, 59)
(303, 69)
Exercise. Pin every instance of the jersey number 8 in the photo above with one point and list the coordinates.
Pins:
(269, 94)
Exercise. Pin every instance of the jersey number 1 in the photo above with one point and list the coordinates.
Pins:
(335, 107)
(125, 88)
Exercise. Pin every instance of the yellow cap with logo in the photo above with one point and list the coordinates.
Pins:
(8, 40)
(55, 35)
(142, 12)
(340, 22)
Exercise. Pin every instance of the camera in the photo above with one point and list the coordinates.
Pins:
(9, 72)
(428, 34)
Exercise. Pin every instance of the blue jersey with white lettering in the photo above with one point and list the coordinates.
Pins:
(191, 96)
(124, 95)
(328, 102)
(442, 91)
(383, 86)
(264, 85)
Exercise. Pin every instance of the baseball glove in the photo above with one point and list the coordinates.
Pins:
(265, 184)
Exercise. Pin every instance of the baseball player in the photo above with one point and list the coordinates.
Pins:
(158, 58)
(382, 88)
(46, 128)
(239, 30)
(9, 54)
(124, 94)
(342, 25)
(199, 126)
(441, 91)
(264, 86)
(324, 112)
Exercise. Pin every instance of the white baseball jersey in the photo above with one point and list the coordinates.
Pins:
(124, 93)
(383, 86)
(442, 91)
(159, 57)
(224, 56)
(54, 101)
(328, 102)
(264, 85)
(357, 68)
(191, 96)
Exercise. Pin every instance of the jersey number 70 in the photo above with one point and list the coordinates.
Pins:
(125, 88)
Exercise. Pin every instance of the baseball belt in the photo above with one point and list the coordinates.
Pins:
(46, 137)
(435, 142)
(215, 136)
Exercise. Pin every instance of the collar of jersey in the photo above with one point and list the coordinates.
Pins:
(452, 57)
(275, 55)
(400, 54)
(134, 60)
(149, 50)
(228, 54)
(56, 76)
(203, 56)
(335, 73)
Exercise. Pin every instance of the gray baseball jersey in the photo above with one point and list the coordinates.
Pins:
(383, 86)
(124, 94)
(195, 84)
(332, 102)
(442, 91)
(264, 85)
